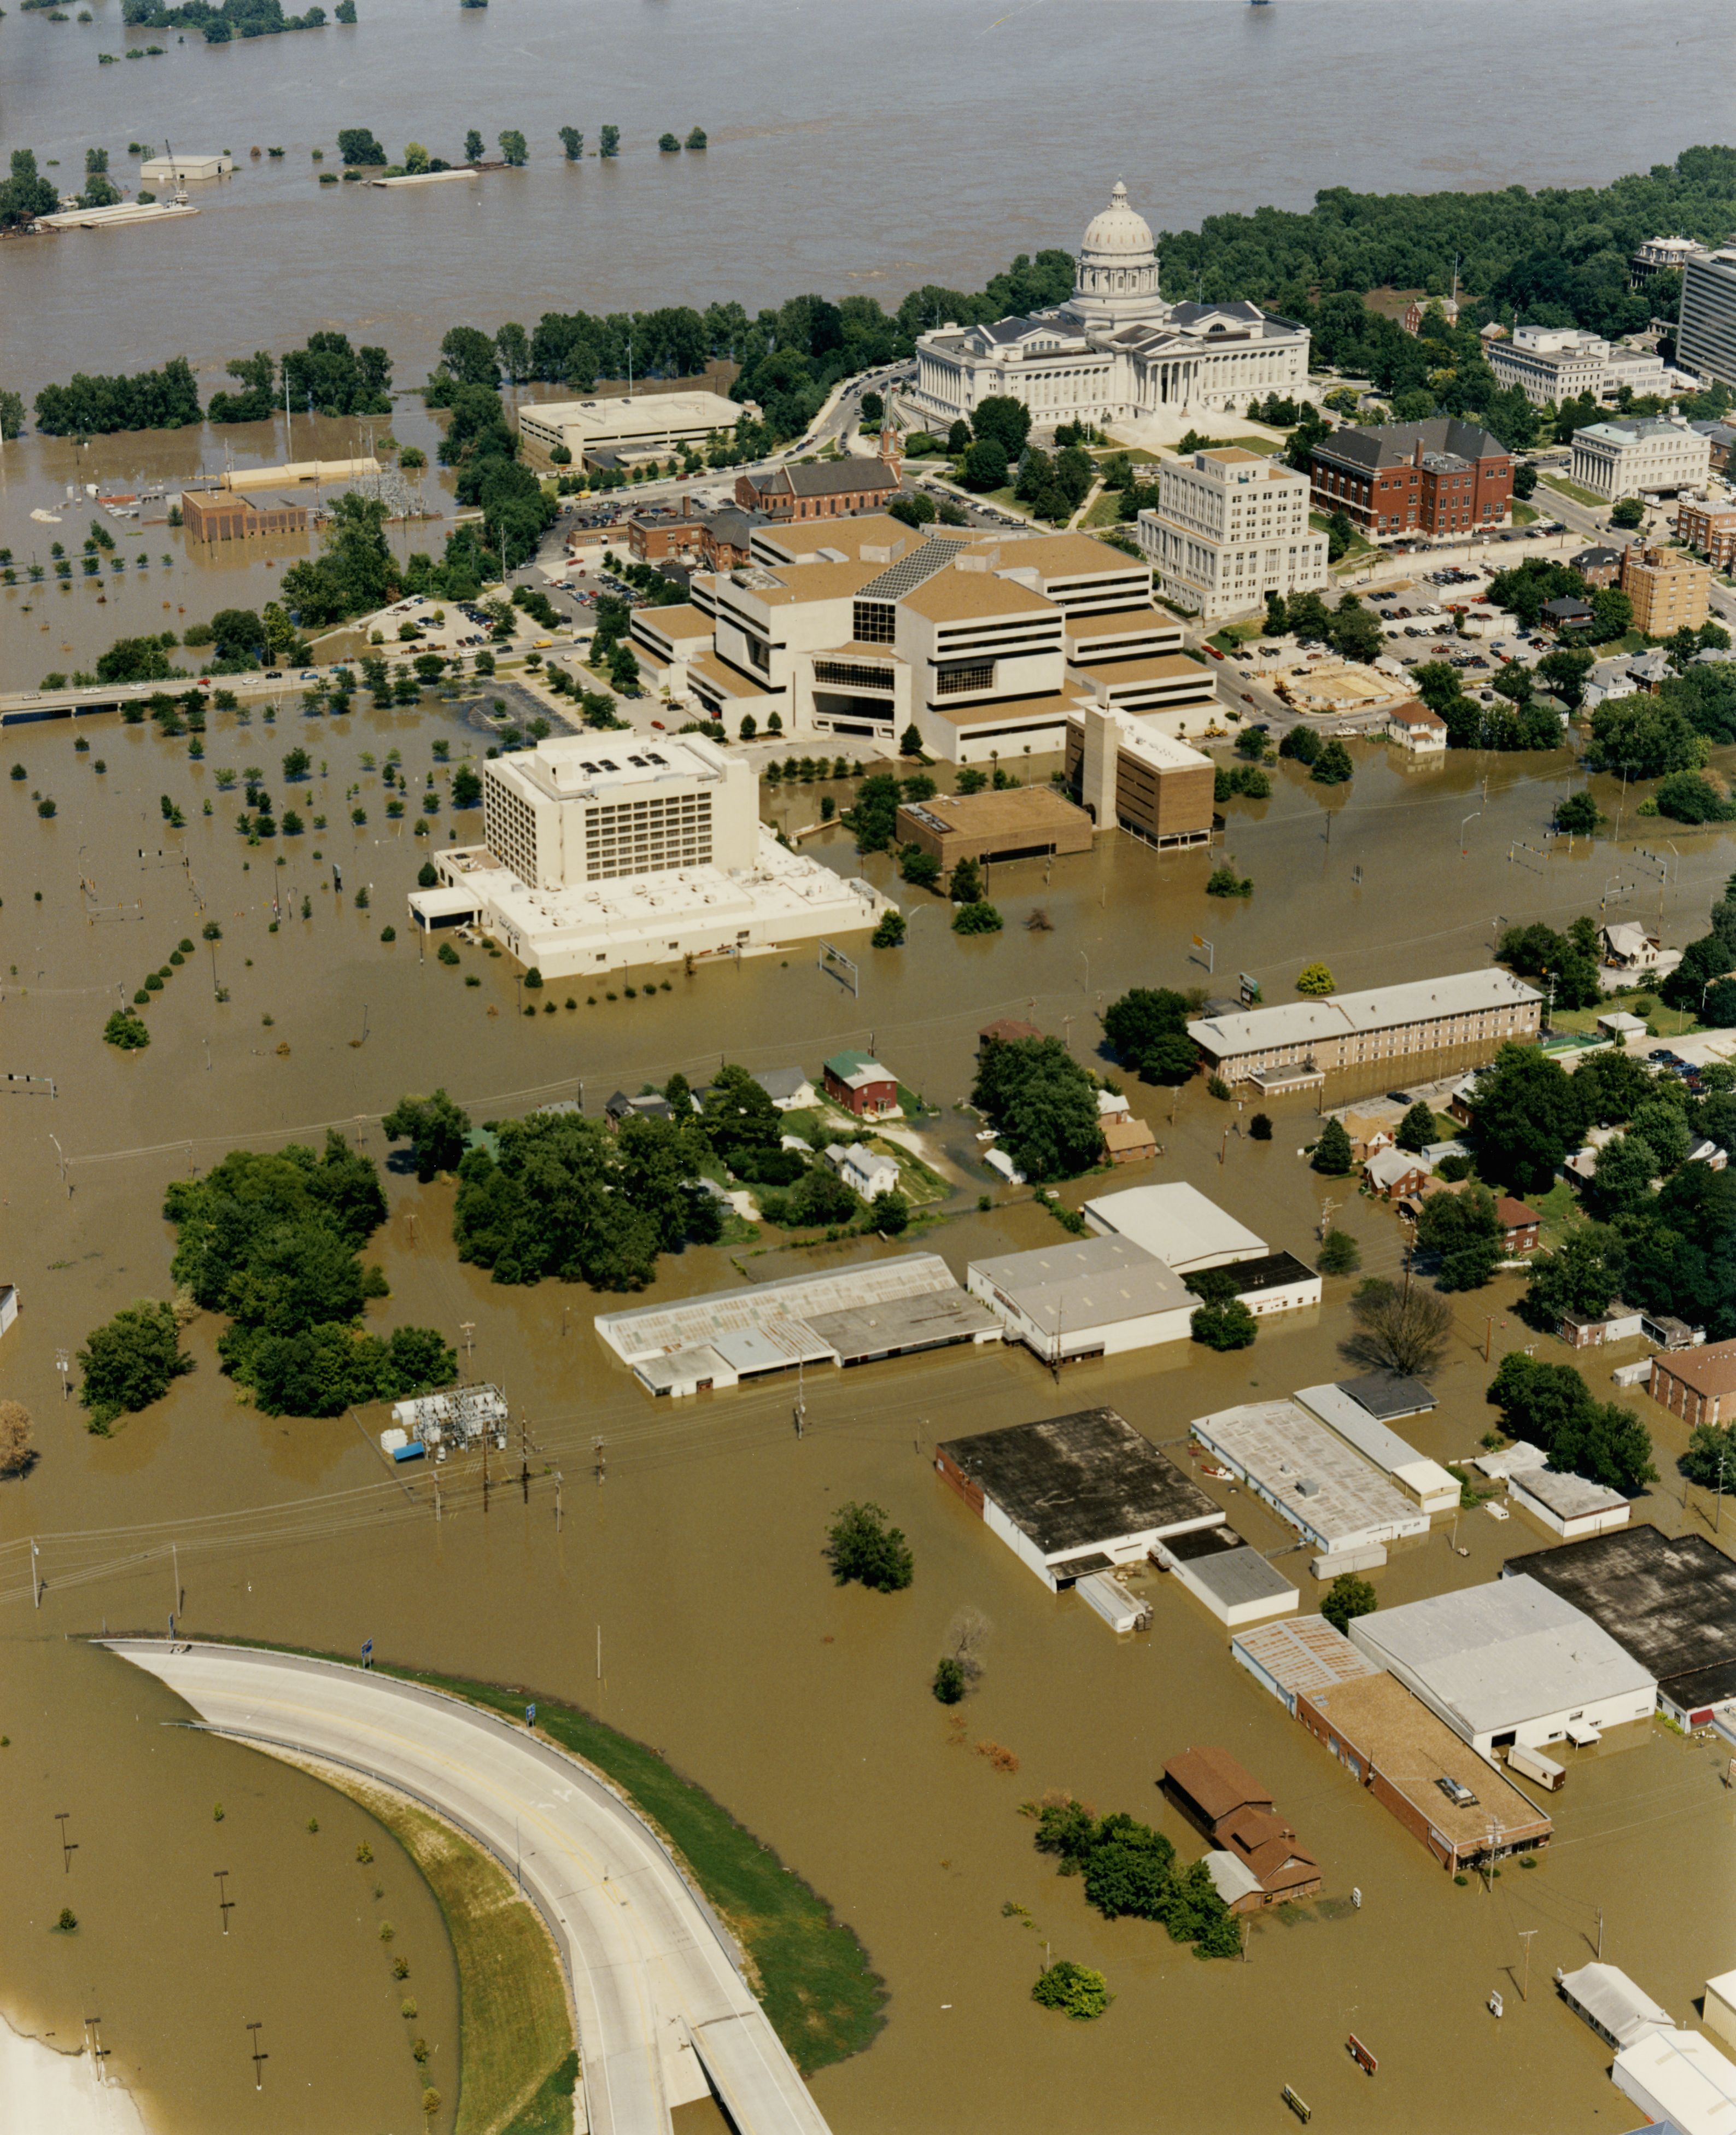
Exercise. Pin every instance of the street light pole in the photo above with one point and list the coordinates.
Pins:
(1470, 818)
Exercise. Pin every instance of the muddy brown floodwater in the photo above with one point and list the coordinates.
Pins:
(805, 1709)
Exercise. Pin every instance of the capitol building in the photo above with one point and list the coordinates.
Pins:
(1115, 351)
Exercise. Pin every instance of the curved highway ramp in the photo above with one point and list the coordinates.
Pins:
(663, 2013)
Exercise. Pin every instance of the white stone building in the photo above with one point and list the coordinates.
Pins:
(1230, 528)
(1551, 363)
(1117, 351)
(603, 853)
(1644, 455)
(643, 423)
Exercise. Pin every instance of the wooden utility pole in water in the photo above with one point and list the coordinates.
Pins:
(68, 1848)
(225, 1904)
(523, 1457)
(602, 1464)
(1525, 1978)
(557, 1501)
(485, 1471)
(259, 2058)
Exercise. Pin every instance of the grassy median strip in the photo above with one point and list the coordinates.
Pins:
(516, 2058)
(813, 1977)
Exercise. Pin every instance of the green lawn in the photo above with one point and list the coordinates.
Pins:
(516, 2039)
(1523, 513)
(1106, 511)
(1572, 489)
(813, 1976)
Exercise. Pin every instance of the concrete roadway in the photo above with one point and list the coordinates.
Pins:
(660, 2003)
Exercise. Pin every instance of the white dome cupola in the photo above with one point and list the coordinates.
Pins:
(1117, 282)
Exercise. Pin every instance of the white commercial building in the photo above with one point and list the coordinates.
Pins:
(1227, 1576)
(1177, 1223)
(1230, 528)
(1551, 363)
(1569, 1505)
(1678, 2078)
(1640, 455)
(1618, 2010)
(1116, 350)
(1084, 1297)
(1509, 1662)
(182, 169)
(641, 422)
(1425, 1480)
(1706, 335)
(1312, 1478)
(602, 853)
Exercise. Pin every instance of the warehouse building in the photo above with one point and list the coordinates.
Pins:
(1311, 1478)
(1299, 1657)
(1697, 1385)
(1669, 1600)
(1607, 2000)
(1462, 1808)
(1510, 1662)
(221, 515)
(1426, 1481)
(1678, 2080)
(1567, 1505)
(1177, 1224)
(1227, 1576)
(1462, 1019)
(1084, 1297)
(1074, 1494)
(853, 1315)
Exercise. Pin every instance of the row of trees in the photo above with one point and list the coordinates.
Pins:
(221, 20)
(1130, 1870)
(327, 377)
(164, 400)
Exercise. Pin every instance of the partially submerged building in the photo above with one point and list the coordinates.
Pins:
(1308, 1475)
(1226, 1574)
(1298, 1658)
(1426, 1481)
(1258, 1861)
(1618, 2010)
(1084, 1297)
(1176, 1223)
(1509, 1662)
(1450, 1799)
(1669, 1601)
(1074, 1494)
(850, 1315)
(1569, 1505)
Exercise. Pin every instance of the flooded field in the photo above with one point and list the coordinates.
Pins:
(681, 1595)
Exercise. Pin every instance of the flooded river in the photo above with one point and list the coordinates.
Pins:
(695, 1564)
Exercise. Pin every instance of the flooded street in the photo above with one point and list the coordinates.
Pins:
(804, 1709)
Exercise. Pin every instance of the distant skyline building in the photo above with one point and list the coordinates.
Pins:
(1117, 350)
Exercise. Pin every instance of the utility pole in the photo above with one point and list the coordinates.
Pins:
(801, 1396)
(437, 1497)
(557, 1501)
(259, 2058)
(35, 1581)
(1525, 1978)
(602, 1464)
(68, 1847)
(99, 2051)
(175, 1568)
(485, 1471)
(524, 1456)
(1600, 1935)
(225, 1904)
(63, 1364)
(467, 1328)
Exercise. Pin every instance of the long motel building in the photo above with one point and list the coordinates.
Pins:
(988, 646)
(1468, 1015)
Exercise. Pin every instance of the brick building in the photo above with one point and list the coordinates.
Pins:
(1671, 590)
(1598, 567)
(1709, 528)
(858, 1082)
(1697, 1385)
(1236, 1813)
(1443, 477)
(221, 516)
(708, 540)
(1016, 824)
(827, 489)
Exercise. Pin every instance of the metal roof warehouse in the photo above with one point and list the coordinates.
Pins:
(1311, 1477)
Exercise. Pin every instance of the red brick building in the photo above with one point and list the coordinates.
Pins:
(708, 540)
(858, 1082)
(1519, 1225)
(1440, 477)
(828, 489)
(1697, 1385)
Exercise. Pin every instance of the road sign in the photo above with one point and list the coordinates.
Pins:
(1304, 2113)
(367, 1652)
(530, 1715)
(1249, 987)
(1204, 953)
(1361, 2054)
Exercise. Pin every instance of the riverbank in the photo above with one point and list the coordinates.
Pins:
(43, 2088)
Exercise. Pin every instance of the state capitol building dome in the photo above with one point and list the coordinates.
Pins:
(1117, 282)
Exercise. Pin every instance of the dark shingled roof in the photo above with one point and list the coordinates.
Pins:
(830, 478)
(1394, 443)
(1073, 1480)
(1669, 1600)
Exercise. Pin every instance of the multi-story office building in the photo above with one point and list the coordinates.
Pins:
(1706, 341)
(1128, 774)
(1443, 477)
(864, 627)
(1117, 350)
(1230, 528)
(1671, 590)
(1641, 454)
(601, 852)
(1551, 363)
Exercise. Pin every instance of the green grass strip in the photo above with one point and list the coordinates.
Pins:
(811, 1974)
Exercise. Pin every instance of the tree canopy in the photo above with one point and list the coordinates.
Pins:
(164, 400)
(129, 1362)
(1045, 1104)
(1130, 1869)
(1550, 1406)
(864, 1547)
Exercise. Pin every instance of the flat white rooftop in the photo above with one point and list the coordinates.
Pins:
(650, 1330)
(1493, 1658)
(1569, 1497)
(1381, 1008)
(1072, 1287)
(641, 415)
(1309, 1475)
(1177, 1224)
(567, 765)
(1427, 1480)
